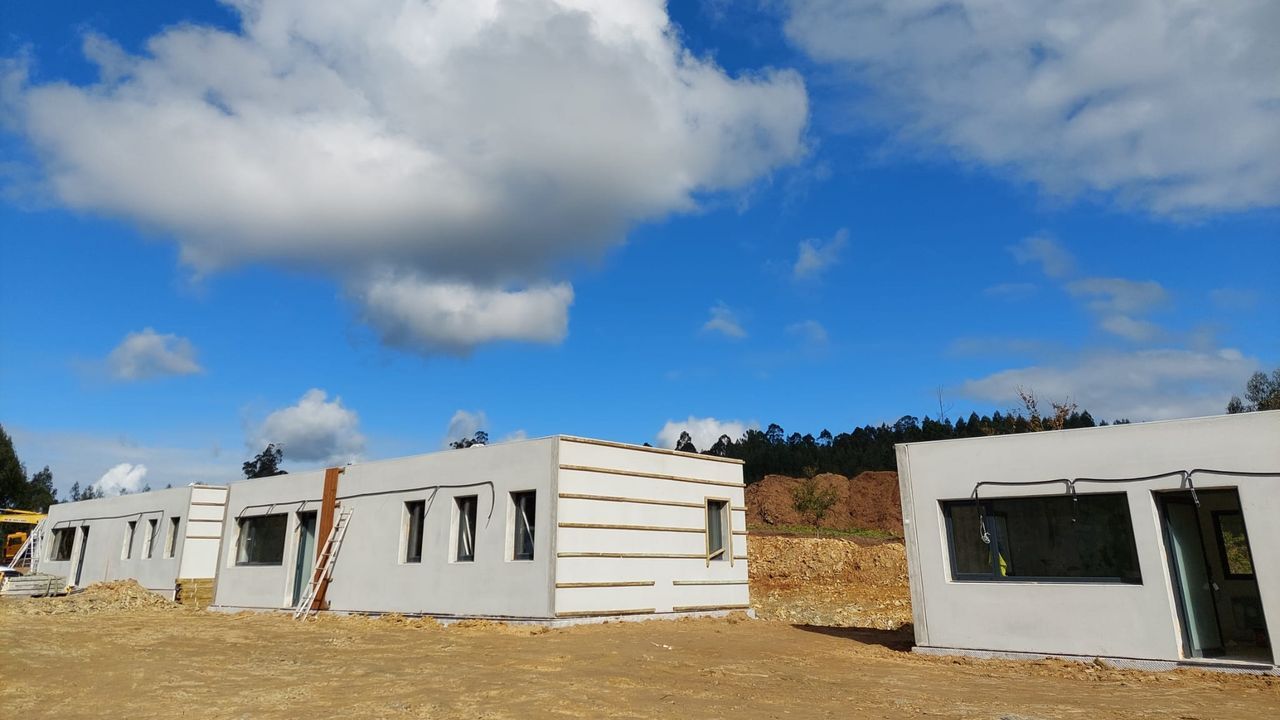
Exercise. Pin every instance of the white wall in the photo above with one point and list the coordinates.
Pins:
(668, 556)
(369, 573)
(1115, 620)
(107, 519)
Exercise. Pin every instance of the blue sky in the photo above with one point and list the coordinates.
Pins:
(361, 229)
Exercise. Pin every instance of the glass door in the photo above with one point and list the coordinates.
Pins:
(1193, 586)
(84, 543)
(306, 561)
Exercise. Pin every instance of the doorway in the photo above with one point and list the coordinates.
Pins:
(1211, 568)
(306, 560)
(84, 543)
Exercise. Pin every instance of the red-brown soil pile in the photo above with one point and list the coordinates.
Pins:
(870, 501)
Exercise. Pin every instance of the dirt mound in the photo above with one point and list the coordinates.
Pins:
(870, 501)
(833, 582)
(118, 595)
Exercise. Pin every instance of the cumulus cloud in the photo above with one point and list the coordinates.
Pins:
(1169, 105)
(724, 322)
(474, 146)
(122, 478)
(149, 354)
(810, 332)
(1139, 385)
(814, 257)
(1054, 260)
(463, 425)
(315, 429)
(1119, 295)
(704, 431)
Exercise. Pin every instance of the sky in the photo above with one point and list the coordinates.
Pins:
(362, 229)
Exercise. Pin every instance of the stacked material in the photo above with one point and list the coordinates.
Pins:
(34, 585)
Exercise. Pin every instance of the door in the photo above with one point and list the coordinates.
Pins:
(1193, 586)
(306, 560)
(84, 543)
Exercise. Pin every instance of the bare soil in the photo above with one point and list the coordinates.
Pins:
(115, 652)
(869, 501)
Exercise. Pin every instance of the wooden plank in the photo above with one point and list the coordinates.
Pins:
(201, 537)
(651, 476)
(651, 528)
(642, 448)
(708, 582)
(624, 583)
(328, 504)
(638, 501)
(211, 504)
(661, 556)
(708, 608)
(601, 613)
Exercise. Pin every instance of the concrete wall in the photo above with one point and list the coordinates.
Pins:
(370, 574)
(1115, 620)
(107, 520)
(618, 554)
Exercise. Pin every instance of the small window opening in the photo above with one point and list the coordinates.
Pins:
(717, 530)
(466, 510)
(63, 540)
(416, 510)
(525, 506)
(149, 540)
(171, 543)
(127, 551)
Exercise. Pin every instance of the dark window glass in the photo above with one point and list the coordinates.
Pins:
(413, 550)
(1233, 544)
(717, 521)
(1044, 538)
(172, 545)
(63, 540)
(152, 524)
(525, 504)
(130, 531)
(262, 540)
(466, 509)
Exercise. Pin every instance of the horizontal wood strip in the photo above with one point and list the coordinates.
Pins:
(210, 504)
(651, 476)
(597, 613)
(653, 528)
(668, 556)
(739, 532)
(739, 557)
(201, 537)
(642, 448)
(638, 501)
(708, 608)
(708, 582)
(620, 583)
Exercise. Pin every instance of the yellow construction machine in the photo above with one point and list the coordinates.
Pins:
(16, 525)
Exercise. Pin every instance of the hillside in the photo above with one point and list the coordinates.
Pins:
(870, 501)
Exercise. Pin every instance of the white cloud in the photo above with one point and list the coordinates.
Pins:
(453, 317)
(1228, 298)
(814, 257)
(313, 430)
(1053, 259)
(810, 332)
(1119, 295)
(1141, 331)
(121, 479)
(723, 321)
(1139, 385)
(1010, 291)
(463, 425)
(704, 431)
(1169, 105)
(149, 354)
(460, 142)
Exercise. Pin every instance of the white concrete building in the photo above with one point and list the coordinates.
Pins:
(546, 530)
(1154, 543)
(153, 537)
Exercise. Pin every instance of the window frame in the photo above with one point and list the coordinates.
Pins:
(240, 540)
(56, 543)
(407, 556)
(530, 523)
(991, 518)
(725, 553)
(171, 541)
(149, 538)
(470, 517)
(130, 532)
(1222, 546)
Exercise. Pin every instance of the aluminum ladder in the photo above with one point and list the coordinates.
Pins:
(323, 570)
(30, 548)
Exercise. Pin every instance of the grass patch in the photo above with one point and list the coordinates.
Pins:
(812, 531)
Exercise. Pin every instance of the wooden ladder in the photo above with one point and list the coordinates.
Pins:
(324, 566)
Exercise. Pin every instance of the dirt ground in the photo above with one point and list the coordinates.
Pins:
(869, 501)
(117, 651)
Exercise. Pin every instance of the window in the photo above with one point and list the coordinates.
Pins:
(416, 510)
(1054, 539)
(524, 505)
(149, 540)
(127, 551)
(1233, 544)
(262, 540)
(717, 530)
(171, 543)
(63, 540)
(465, 507)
